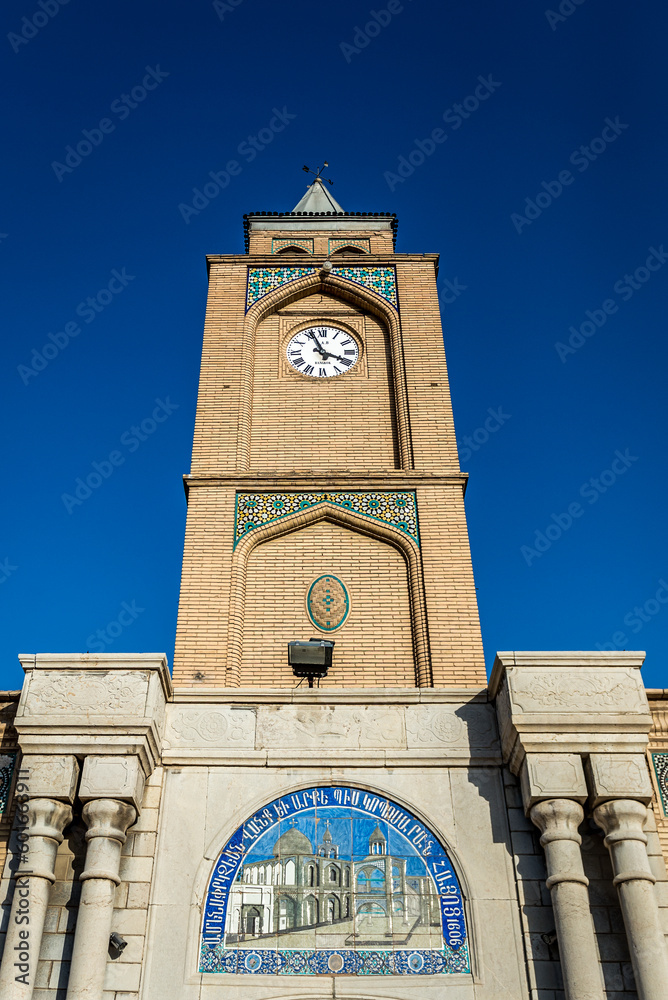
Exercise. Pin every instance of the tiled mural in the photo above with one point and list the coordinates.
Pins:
(397, 509)
(334, 880)
(262, 280)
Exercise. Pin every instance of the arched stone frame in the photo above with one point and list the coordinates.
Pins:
(350, 292)
(217, 844)
(347, 519)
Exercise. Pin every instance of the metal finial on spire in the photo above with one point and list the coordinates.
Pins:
(318, 174)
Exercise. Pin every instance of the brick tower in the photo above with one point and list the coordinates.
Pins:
(325, 471)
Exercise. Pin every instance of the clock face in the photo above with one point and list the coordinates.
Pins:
(322, 351)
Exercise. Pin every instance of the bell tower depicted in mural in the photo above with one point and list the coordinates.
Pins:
(325, 497)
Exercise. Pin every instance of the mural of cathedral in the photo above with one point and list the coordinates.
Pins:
(368, 901)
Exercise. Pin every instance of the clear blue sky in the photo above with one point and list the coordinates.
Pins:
(360, 99)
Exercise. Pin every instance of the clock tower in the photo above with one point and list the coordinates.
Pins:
(325, 497)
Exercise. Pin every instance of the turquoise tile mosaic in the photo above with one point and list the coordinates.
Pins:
(262, 280)
(381, 280)
(660, 762)
(398, 509)
(7, 765)
(339, 865)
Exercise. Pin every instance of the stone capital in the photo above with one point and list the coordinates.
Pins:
(552, 776)
(621, 820)
(108, 818)
(557, 819)
(43, 821)
(618, 776)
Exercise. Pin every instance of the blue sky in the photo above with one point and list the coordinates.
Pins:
(536, 236)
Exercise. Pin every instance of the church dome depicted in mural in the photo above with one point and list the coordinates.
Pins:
(292, 842)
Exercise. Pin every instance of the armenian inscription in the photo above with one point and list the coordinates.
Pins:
(333, 880)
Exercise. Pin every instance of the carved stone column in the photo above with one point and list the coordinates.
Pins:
(622, 821)
(107, 821)
(38, 828)
(558, 820)
(621, 789)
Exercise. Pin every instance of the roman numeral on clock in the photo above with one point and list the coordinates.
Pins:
(344, 361)
(322, 372)
(308, 370)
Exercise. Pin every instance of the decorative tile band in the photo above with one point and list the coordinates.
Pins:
(253, 510)
(306, 962)
(262, 280)
(7, 765)
(338, 243)
(333, 880)
(660, 762)
(381, 280)
(305, 244)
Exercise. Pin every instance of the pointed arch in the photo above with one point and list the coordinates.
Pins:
(355, 522)
(356, 295)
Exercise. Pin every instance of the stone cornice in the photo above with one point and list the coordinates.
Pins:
(113, 703)
(569, 702)
(328, 696)
(315, 479)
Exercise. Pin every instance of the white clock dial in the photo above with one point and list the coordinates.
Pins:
(322, 351)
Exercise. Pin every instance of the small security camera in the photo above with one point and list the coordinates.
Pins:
(117, 942)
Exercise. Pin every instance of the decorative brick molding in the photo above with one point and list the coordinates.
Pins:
(305, 244)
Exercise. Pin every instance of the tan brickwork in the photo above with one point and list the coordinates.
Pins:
(260, 426)
(8, 744)
(373, 648)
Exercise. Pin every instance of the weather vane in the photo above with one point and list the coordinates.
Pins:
(319, 172)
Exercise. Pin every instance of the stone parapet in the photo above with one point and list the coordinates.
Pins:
(109, 704)
(569, 702)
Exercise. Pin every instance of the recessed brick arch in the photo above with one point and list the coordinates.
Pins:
(349, 292)
(355, 522)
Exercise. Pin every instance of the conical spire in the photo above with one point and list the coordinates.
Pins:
(317, 200)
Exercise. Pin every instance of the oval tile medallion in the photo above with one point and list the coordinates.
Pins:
(327, 603)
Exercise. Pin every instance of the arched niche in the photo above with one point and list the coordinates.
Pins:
(360, 297)
(430, 898)
(350, 520)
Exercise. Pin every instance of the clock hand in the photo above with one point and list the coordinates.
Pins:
(321, 350)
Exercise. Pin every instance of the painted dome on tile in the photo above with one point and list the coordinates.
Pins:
(292, 842)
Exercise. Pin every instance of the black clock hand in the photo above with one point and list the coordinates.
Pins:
(321, 350)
